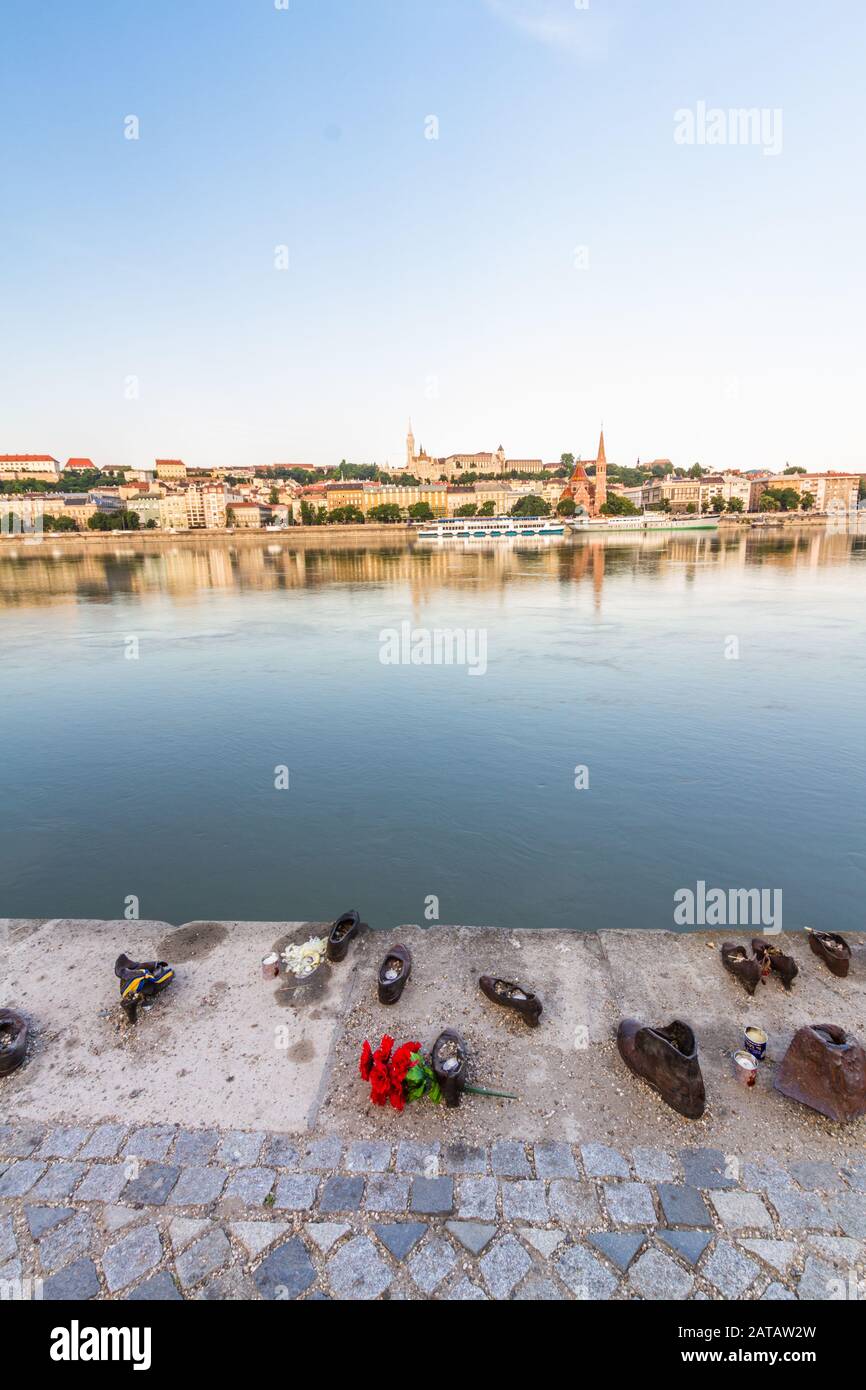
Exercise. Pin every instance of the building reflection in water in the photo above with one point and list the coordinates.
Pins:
(44, 572)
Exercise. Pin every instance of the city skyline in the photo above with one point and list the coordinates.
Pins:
(276, 233)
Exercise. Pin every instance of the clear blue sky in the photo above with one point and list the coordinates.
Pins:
(720, 316)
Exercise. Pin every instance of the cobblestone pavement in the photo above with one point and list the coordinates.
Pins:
(159, 1212)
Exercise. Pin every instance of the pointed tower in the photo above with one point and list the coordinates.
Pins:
(410, 448)
(600, 476)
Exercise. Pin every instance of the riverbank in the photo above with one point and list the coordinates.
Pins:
(225, 1146)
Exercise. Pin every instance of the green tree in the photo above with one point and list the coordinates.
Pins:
(468, 509)
(421, 511)
(114, 521)
(531, 506)
(487, 509)
(386, 511)
(769, 503)
(696, 471)
(566, 507)
(794, 469)
(736, 504)
(717, 503)
(617, 505)
(807, 501)
(346, 516)
(567, 460)
(59, 523)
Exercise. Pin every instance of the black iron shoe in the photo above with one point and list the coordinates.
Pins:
(449, 1065)
(832, 949)
(341, 933)
(511, 996)
(770, 956)
(140, 980)
(393, 974)
(13, 1041)
(667, 1059)
(742, 966)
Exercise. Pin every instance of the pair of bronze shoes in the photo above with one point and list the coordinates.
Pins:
(832, 949)
(509, 995)
(750, 970)
(140, 982)
(667, 1059)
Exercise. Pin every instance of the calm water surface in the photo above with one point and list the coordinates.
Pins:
(155, 777)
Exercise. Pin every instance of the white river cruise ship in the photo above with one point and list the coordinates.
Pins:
(485, 528)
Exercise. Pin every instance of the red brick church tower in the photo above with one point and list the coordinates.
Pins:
(589, 493)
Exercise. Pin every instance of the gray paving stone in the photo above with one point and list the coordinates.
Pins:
(689, 1245)
(760, 1177)
(430, 1265)
(536, 1289)
(131, 1257)
(742, 1211)
(104, 1182)
(656, 1276)
(20, 1140)
(250, 1185)
(20, 1177)
(683, 1206)
(296, 1192)
(322, 1155)
(525, 1201)
(729, 1270)
(12, 1272)
(800, 1211)
(575, 1204)
(357, 1271)
(198, 1187)
(477, 1199)
(630, 1203)
(104, 1142)
(432, 1196)
(195, 1146)
(413, 1157)
(75, 1284)
(58, 1182)
(653, 1165)
(854, 1173)
(508, 1159)
(587, 1278)
(342, 1194)
(466, 1292)
(841, 1251)
(545, 1240)
(42, 1219)
(241, 1150)
(504, 1265)
(256, 1236)
(778, 1293)
(64, 1243)
(707, 1168)
(386, 1193)
(8, 1246)
(555, 1160)
(207, 1255)
(160, 1289)
(63, 1142)
(778, 1254)
(400, 1236)
(474, 1236)
(620, 1249)
(601, 1161)
(152, 1142)
(817, 1177)
(369, 1156)
(152, 1185)
(183, 1230)
(287, 1272)
(280, 1152)
(820, 1282)
(325, 1234)
(849, 1212)
(463, 1158)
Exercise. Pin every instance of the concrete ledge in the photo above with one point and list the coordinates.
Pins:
(223, 1047)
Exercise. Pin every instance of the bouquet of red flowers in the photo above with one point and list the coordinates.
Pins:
(403, 1074)
(396, 1076)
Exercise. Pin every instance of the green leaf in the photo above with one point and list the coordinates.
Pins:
(435, 1093)
(415, 1075)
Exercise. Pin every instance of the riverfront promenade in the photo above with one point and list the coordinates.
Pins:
(226, 1148)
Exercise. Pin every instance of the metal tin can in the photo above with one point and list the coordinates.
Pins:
(745, 1068)
(271, 967)
(755, 1040)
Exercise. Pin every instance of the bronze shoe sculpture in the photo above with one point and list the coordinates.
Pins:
(342, 932)
(771, 958)
(825, 1068)
(744, 967)
(13, 1041)
(393, 974)
(832, 949)
(140, 980)
(512, 996)
(667, 1059)
(449, 1060)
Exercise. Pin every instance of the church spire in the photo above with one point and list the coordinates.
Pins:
(602, 457)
